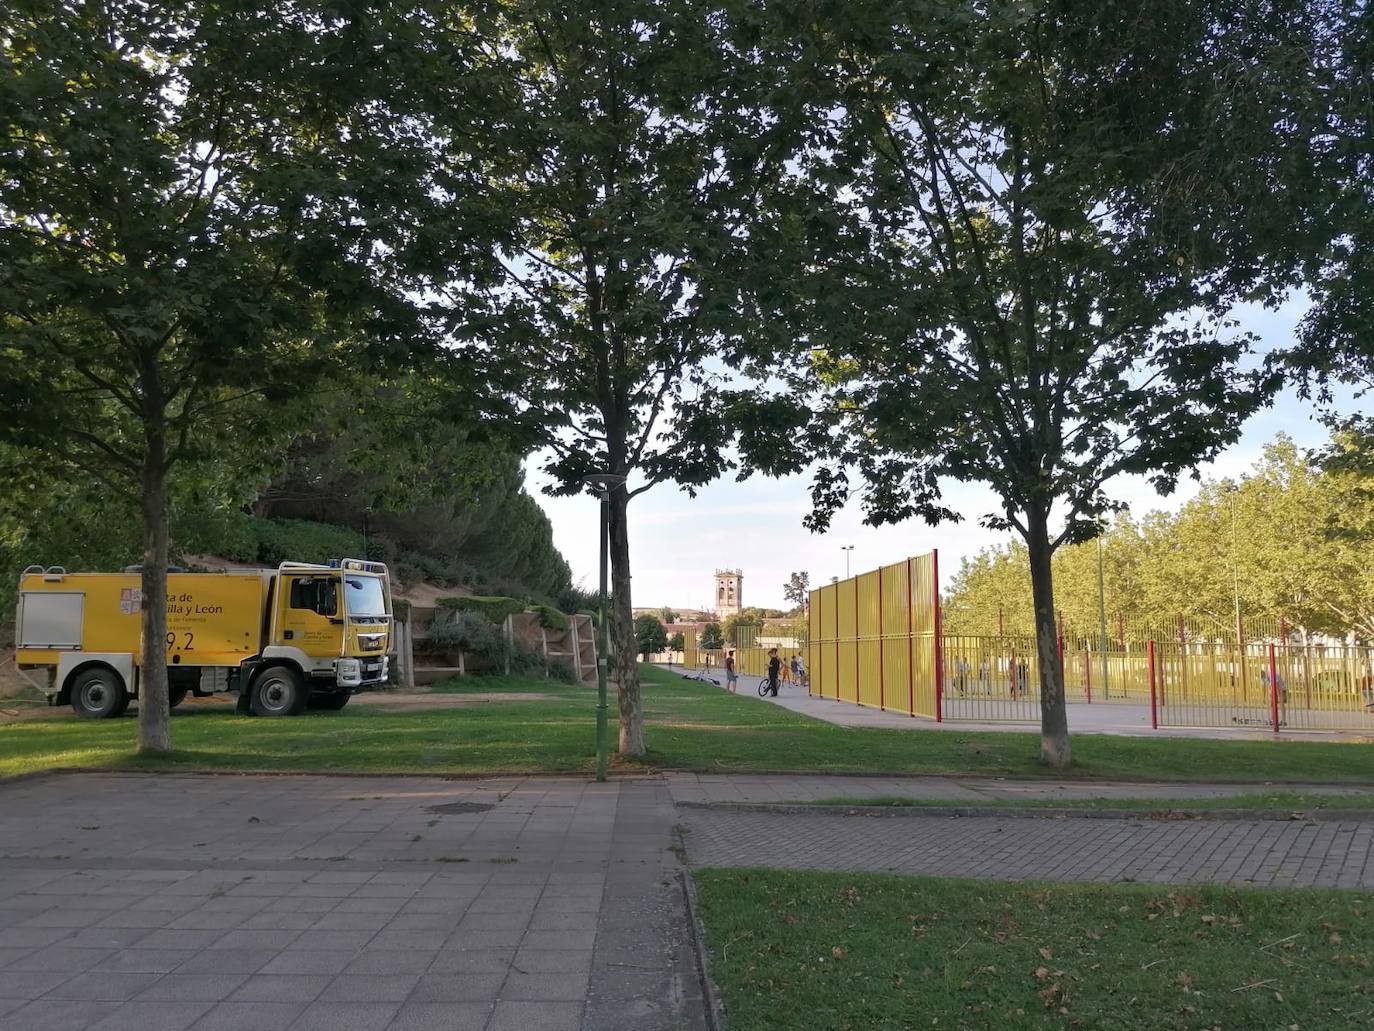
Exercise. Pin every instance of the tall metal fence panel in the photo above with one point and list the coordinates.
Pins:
(1263, 686)
(995, 679)
(872, 639)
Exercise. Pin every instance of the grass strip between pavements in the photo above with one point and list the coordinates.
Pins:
(805, 950)
(532, 725)
(1288, 802)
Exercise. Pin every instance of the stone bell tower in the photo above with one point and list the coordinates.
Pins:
(729, 592)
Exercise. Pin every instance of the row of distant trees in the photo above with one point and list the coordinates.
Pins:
(1000, 244)
(1293, 541)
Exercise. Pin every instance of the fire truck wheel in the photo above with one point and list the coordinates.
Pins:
(98, 693)
(333, 702)
(276, 692)
(175, 696)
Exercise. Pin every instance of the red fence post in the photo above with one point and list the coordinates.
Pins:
(910, 646)
(1154, 698)
(1273, 690)
(856, 640)
(837, 642)
(939, 639)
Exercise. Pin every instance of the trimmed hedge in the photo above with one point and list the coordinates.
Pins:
(550, 618)
(493, 609)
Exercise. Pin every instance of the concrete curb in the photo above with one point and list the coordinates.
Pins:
(1037, 812)
(193, 771)
(715, 1009)
(1050, 777)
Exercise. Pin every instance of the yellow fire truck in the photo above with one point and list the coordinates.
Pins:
(300, 635)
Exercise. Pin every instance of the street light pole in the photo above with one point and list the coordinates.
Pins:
(1235, 586)
(602, 485)
(846, 548)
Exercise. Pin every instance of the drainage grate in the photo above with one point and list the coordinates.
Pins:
(460, 807)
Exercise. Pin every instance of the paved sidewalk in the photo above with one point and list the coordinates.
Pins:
(243, 903)
(259, 903)
(1121, 719)
(1264, 853)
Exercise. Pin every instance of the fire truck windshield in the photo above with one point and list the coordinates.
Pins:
(363, 596)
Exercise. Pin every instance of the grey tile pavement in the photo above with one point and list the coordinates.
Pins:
(189, 903)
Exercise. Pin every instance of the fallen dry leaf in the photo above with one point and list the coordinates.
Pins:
(1046, 953)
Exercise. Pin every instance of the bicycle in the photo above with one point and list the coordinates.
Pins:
(765, 687)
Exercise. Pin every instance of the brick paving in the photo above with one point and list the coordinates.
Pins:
(258, 903)
(735, 787)
(1242, 852)
(166, 903)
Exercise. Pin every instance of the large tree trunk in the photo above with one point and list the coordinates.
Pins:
(625, 646)
(154, 712)
(1054, 719)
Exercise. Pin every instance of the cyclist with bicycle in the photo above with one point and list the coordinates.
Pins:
(774, 667)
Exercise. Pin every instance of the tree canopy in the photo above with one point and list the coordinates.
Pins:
(650, 637)
(1014, 255)
(1336, 342)
(711, 639)
(1294, 539)
(196, 201)
(623, 163)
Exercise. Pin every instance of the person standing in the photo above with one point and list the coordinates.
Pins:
(774, 667)
(731, 675)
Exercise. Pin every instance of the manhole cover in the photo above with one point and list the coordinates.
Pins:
(460, 807)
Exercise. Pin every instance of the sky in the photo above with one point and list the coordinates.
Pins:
(678, 542)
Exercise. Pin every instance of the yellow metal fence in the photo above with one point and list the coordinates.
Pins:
(876, 640)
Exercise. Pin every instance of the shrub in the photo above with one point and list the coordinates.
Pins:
(575, 599)
(550, 618)
(225, 532)
(466, 632)
(527, 662)
(470, 634)
(562, 672)
(297, 540)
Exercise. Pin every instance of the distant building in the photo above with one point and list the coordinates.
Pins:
(729, 592)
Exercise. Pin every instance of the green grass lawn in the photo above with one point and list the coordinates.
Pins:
(689, 726)
(802, 950)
